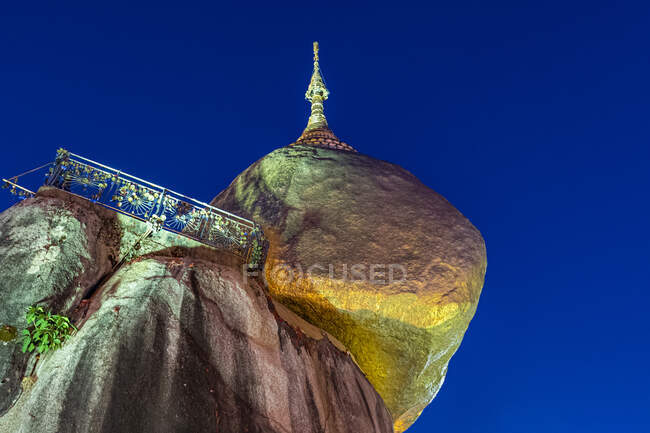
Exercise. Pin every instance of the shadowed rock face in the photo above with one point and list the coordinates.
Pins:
(324, 207)
(46, 258)
(175, 341)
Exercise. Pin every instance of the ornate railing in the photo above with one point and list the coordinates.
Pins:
(161, 207)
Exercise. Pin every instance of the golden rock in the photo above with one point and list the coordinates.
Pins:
(339, 224)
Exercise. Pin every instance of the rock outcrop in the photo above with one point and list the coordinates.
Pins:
(176, 340)
(326, 211)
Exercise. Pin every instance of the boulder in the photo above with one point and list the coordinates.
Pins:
(52, 252)
(339, 224)
(177, 339)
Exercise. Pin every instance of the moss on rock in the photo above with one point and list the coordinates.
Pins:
(7, 333)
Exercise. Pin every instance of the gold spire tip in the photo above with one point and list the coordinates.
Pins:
(315, 51)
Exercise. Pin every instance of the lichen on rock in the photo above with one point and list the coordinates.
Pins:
(51, 248)
(7, 333)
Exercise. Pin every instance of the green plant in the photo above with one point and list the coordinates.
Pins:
(45, 331)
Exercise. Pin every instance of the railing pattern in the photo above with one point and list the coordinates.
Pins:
(146, 201)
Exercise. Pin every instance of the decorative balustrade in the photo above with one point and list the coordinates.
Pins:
(163, 208)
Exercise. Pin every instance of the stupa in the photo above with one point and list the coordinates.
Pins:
(317, 133)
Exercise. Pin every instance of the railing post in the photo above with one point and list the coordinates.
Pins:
(62, 156)
(159, 208)
(257, 249)
(204, 223)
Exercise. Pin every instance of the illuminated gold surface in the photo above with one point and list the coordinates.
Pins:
(316, 93)
(401, 341)
(321, 206)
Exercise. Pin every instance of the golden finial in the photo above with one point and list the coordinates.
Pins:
(317, 133)
(316, 94)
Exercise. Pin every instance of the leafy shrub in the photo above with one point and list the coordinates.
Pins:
(45, 331)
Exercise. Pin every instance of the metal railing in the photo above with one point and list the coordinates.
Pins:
(164, 208)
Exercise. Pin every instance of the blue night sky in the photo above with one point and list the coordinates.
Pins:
(533, 120)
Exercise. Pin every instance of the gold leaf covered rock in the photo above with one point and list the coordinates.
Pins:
(327, 210)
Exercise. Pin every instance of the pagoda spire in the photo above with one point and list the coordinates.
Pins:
(316, 94)
(317, 133)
